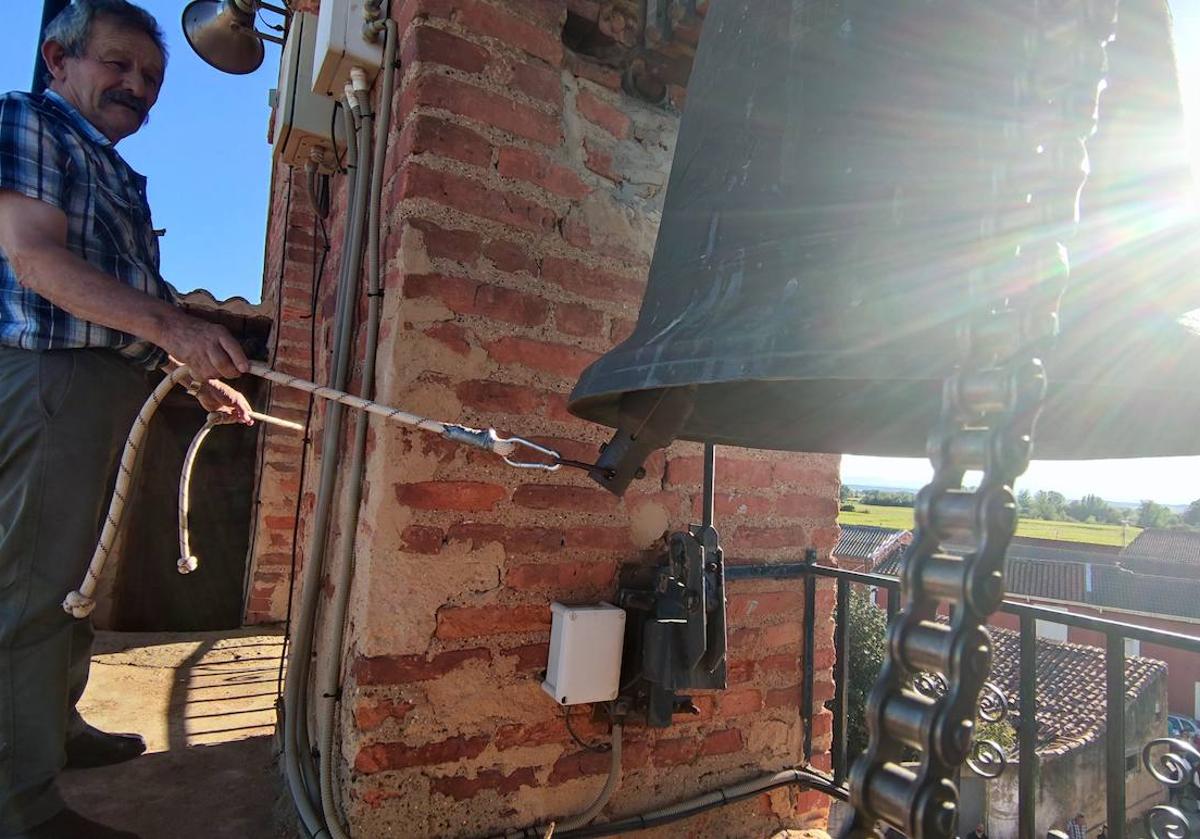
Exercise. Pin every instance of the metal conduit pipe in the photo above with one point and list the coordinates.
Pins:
(329, 681)
(296, 749)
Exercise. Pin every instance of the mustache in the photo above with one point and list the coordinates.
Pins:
(121, 97)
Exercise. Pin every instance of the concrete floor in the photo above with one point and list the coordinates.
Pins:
(204, 701)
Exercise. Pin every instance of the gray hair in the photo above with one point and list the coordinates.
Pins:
(73, 25)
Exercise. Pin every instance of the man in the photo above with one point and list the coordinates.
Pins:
(84, 318)
(978, 833)
(1077, 827)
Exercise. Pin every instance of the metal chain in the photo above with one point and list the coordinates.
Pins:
(989, 406)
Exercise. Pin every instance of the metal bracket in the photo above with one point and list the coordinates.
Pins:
(683, 643)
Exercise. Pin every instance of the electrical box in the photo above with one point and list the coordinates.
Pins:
(304, 122)
(341, 45)
(585, 653)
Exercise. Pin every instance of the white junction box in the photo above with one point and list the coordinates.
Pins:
(303, 120)
(585, 653)
(342, 45)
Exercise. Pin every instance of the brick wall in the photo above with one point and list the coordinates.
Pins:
(523, 195)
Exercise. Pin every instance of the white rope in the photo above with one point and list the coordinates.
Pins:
(81, 602)
(188, 562)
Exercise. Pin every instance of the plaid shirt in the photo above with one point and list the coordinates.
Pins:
(1076, 830)
(50, 152)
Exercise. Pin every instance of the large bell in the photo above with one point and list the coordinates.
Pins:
(833, 212)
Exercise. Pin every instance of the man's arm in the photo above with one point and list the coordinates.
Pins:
(33, 236)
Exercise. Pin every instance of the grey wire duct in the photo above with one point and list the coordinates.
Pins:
(707, 801)
(329, 681)
(297, 755)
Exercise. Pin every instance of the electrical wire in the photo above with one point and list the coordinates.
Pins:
(599, 747)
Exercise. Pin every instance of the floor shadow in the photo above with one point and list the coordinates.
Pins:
(226, 790)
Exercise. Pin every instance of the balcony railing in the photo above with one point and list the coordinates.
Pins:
(1171, 762)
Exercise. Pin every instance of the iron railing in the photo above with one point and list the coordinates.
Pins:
(1172, 762)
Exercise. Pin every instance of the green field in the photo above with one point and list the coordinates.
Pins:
(1068, 531)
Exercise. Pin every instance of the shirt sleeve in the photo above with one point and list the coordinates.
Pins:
(33, 160)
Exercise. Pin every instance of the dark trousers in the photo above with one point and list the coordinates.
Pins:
(64, 416)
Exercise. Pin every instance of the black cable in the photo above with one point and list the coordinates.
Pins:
(318, 272)
(333, 115)
(600, 747)
(804, 777)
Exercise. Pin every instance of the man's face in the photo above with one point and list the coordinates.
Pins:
(116, 81)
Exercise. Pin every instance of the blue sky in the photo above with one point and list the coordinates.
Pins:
(206, 155)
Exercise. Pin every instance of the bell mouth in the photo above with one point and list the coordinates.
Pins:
(1116, 393)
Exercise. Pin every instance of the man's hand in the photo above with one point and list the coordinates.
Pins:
(216, 396)
(208, 349)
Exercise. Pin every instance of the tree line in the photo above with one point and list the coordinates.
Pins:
(1049, 505)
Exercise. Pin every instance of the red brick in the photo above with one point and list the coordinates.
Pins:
(611, 119)
(600, 161)
(497, 397)
(549, 731)
(807, 506)
(781, 663)
(564, 360)
(380, 757)
(425, 43)
(539, 82)
(473, 198)
(594, 283)
(598, 538)
(467, 297)
(739, 672)
(558, 497)
(736, 504)
(422, 540)
(444, 139)
(788, 697)
(791, 472)
(822, 725)
(402, 669)
(519, 539)
(781, 635)
(593, 71)
(450, 335)
(542, 41)
(462, 788)
(733, 703)
(369, 715)
(524, 165)
(281, 522)
(440, 243)
(676, 751)
(531, 658)
(578, 765)
(466, 496)
(561, 575)
(485, 107)
(769, 537)
(575, 319)
(722, 742)
(761, 604)
(509, 256)
(480, 621)
(689, 469)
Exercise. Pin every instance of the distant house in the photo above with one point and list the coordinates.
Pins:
(1071, 734)
(863, 547)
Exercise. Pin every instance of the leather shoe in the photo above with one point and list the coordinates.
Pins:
(67, 824)
(93, 747)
